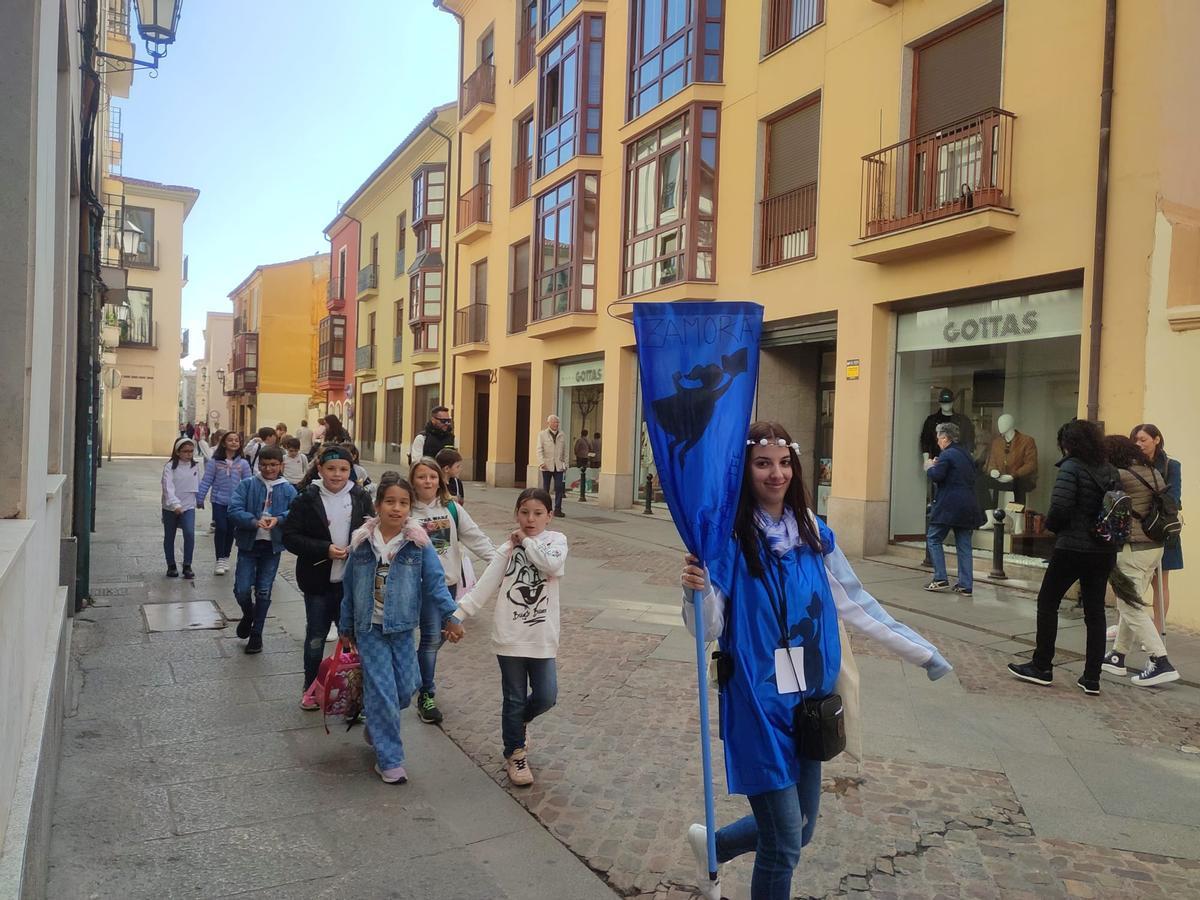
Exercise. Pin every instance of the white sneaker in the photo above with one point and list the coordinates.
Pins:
(222, 566)
(697, 838)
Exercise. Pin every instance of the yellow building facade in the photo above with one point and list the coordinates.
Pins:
(909, 189)
(269, 375)
(406, 213)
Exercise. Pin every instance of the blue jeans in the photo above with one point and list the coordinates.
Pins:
(173, 521)
(223, 537)
(431, 643)
(962, 551)
(389, 679)
(530, 688)
(782, 823)
(560, 486)
(320, 612)
(255, 571)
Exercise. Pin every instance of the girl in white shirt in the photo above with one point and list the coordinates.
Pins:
(180, 484)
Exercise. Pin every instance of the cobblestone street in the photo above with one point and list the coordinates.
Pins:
(193, 773)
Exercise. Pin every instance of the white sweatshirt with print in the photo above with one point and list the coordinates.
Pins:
(448, 539)
(524, 582)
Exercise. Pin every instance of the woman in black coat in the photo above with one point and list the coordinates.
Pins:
(955, 507)
(1084, 476)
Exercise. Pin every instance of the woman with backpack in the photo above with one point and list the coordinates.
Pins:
(1080, 554)
(1154, 447)
(1137, 562)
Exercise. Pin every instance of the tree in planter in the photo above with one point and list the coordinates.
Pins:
(586, 400)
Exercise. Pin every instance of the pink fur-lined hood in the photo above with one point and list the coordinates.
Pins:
(412, 532)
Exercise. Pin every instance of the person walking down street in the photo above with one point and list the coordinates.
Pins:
(450, 528)
(436, 437)
(595, 457)
(523, 580)
(773, 600)
(295, 463)
(451, 462)
(392, 575)
(1084, 476)
(1150, 439)
(335, 432)
(552, 461)
(317, 531)
(257, 511)
(190, 430)
(281, 432)
(180, 484)
(1137, 563)
(319, 432)
(583, 453)
(222, 474)
(955, 507)
(264, 437)
(304, 435)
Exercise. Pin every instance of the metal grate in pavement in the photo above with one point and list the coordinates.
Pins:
(194, 615)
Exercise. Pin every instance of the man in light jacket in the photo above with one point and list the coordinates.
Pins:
(552, 460)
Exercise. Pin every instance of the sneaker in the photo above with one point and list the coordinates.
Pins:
(1114, 663)
(697, 838)
(254, 645)
(427, 709)
(244, 626)
(172, 572)
(1158, 671)
(517, 767)
(964, 591)
(309, 705)
(1090, 686)
(222, 567)
(394, 775)
(937, 584)
(1031, 673)
(188, 573)
(559, 514)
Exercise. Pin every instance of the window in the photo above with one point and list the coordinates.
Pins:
(375, 249)
(138, 329)
(518, 297)
(570, 89)
(672, 44)
(671, 189)
(479, 276)
(788, 19)
(367, 414)
(788, 211)
(526, 37)
(425, 308)
(523, 169)
(131, 393)
(341, 275)
(401, 240)
(139, 233)
(554, 11)
(487, 49)
(566, 263)
(429, 194)
(331, 342)
(398, 322)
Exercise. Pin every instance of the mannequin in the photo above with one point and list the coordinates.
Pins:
(1012, 461)
(945, 413)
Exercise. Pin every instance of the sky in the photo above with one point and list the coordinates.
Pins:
(277, 110)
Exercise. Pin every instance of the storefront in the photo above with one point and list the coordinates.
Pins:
(580, 406)
(1007, 372)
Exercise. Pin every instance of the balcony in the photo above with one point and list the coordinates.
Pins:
(364, 358)
(788, 226)
(475, 214)
(478, 100)
(962, 172)
(401, 263)
(137, 333)
(368, 281)
(335, 293)
(398, 348)
(331, 353)
(470, 328)
(789, 19)
(245, 362)
(117, 42)
(526, 53)
(239, 325)
(518, 311)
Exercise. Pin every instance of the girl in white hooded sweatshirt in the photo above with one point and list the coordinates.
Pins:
(450, 528)
(180, 483)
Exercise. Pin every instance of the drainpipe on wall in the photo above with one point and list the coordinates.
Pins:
(1098, 256)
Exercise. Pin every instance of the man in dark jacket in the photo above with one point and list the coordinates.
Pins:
(955, 507)
(437, 436)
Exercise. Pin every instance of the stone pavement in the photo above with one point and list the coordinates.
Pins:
(189, 771)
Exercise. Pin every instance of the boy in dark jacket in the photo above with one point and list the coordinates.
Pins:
(257, 511)
(318, 530)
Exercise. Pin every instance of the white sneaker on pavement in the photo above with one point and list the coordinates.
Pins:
(222, 567)
(697, 838)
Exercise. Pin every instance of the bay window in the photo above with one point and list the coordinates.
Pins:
(425, 308)
(673, 44)
(570, 86)
(565, 261)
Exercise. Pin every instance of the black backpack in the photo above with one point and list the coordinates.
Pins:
(1161, 522)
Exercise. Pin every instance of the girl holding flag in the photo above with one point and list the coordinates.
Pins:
(772, 598)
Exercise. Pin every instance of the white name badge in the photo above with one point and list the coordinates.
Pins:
(787, 671)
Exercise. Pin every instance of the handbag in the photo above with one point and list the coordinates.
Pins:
(338, 685)
(820, 727)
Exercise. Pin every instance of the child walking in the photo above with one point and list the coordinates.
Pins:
(524, 580)
(317, 530)
(221, 475)
(295, 463)
(180, 484)
(392, 572)
(258, 510)
(451, 462)
(450, 528)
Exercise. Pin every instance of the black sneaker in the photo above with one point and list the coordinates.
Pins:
(254, 645)
(188, 573)
(1090, 686)
(559, 514)
(964, 591)
(172, 572)
(1031, 673)
(1158, 671)
(1114, 664)
(937, 584)
(427, 709)
(244, 626)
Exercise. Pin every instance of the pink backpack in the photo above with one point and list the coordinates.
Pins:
(337, 688)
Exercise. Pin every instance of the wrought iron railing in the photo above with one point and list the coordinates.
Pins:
(368, 278)
(480, 87)
(475, 206)
(788, 19)
(522, 178)
(335, 291)
(518, 311)
(525, 52)
(364, 357)
(470, 324)
(788, 226)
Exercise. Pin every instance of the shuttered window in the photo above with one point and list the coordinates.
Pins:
(793, 144)
(959, 75)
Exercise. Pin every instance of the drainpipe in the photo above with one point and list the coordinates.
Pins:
(1098, 256)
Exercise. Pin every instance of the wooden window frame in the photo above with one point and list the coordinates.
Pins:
(525, 60)
(479, 293)
(425, 327)
(522, 177)
(554, 11)
(331, 348)
(579, 290)
(514, 288)
(583, 121)
(694, 33)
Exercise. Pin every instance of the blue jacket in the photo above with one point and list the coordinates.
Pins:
(956, 504)
(222, 475)
(415, 576)
(246, 508)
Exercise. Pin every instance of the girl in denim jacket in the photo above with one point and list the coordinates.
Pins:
(391, 571)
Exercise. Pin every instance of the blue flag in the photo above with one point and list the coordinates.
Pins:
(699, 369)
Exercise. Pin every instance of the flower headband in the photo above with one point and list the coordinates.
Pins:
(776, 442)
